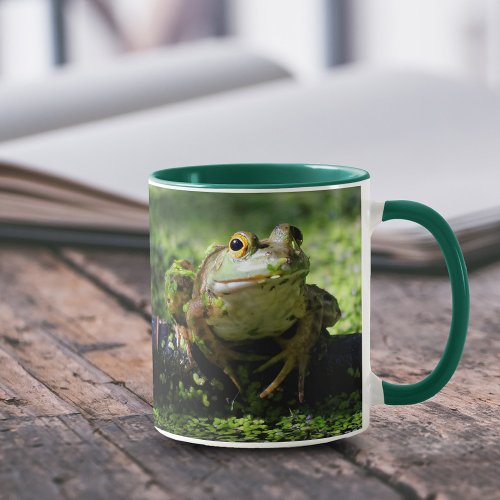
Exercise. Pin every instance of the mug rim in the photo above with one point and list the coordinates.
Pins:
(243, 176)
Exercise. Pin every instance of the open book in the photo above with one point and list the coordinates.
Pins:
(131, 83)
(421, 137)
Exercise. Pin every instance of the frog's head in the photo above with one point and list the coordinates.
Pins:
(248, 261)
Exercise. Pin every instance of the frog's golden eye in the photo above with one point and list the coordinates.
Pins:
(238, 245)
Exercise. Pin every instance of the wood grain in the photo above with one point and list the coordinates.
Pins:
(86, 312)
(65, 457)
(449, 445)
(81, 324)
(21, 395)
(194, 471)
(124, 275)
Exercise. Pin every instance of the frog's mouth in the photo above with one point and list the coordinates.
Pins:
(233, 285)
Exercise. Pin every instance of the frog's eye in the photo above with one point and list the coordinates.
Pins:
(297, 234)
(238, 245)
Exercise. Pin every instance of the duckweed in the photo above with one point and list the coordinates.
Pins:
(198, 380)
(297, 426)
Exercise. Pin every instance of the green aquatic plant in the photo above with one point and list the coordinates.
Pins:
(336, 416)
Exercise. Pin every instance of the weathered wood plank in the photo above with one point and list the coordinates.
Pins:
(78, 317)
(22, 395)
(67, 374)
(52, 345)
(64, 457)
(194, 471)
(422, 446)
(432, 449)
(447, 446)
(113, 271)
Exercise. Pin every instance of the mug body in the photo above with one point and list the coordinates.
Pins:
(260, 302)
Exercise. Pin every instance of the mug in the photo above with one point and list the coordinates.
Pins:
(261, 303)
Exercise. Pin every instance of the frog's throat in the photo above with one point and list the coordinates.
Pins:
(223, 287)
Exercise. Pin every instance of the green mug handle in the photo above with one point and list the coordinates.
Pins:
(404, 394)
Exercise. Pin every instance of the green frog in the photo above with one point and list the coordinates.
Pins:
(247, 290)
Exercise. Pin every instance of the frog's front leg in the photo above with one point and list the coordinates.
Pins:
(213, 348)
(179, 280)
(322, 310)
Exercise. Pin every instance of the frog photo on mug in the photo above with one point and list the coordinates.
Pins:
(257, 327)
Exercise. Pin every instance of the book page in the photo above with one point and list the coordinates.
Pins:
(131, 83)
(422, 137)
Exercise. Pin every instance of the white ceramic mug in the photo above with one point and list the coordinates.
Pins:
(261, 303)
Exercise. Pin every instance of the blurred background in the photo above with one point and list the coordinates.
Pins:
(102, 92)
(455, 37)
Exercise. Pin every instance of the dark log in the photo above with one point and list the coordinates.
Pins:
(334, 370)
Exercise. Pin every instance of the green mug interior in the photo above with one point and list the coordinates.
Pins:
(258, 176)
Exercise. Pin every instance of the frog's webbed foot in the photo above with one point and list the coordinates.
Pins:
(297, 350)
(293, 356)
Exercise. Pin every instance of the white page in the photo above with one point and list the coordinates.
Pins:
(130, 83)
(425, 138)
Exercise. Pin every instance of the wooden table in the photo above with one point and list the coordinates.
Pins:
(75, 395)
